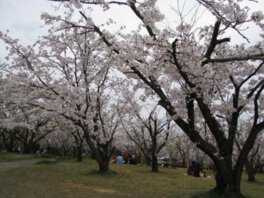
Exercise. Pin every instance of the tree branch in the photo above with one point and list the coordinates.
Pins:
(139, 15)
(237, 58)
(214, 42)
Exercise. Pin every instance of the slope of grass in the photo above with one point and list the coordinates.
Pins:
(71, 179)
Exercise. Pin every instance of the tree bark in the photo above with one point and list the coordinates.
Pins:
(104, 166)
(228, 179)
(154, 163)
(79, 153)
(101, 153)
(251, 170)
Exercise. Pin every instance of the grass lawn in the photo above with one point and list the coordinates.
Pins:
(70, 179)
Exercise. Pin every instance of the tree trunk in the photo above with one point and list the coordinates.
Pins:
(154, 163)
(251, 171)
(79, 153)
(104, 167)
(8, 142)
(103, 161)
(228, 179)
(101, 153)
(28, 148)
(147, 159)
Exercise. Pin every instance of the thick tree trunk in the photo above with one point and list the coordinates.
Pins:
(103, 162)
(101, 152)
(104, 167)
(102, 158)
(228, 180)
(154, 163)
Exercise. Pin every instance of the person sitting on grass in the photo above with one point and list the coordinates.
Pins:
(120, 160)
(191, 168)
(197, 171)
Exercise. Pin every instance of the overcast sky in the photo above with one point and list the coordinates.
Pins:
(22, 18)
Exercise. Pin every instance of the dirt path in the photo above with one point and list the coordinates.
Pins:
(14, 164)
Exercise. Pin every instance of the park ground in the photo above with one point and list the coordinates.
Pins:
(69, 179)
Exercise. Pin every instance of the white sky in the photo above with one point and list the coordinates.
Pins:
(22, 18)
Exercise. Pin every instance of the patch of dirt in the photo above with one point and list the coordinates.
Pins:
(14, 164)
(207, 177)
(104, 190)
(70, 184)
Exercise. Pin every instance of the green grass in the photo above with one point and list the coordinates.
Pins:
(8, 157)
(70, 179)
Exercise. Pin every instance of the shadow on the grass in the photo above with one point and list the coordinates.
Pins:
(213, 194)
(208, 194)
(47, 161)
(98, 173)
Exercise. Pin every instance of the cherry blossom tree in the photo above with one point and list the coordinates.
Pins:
(184, 151)
(60, 142)
(189, 66)
(68, 137)
(22, 126)
(67, 77)
(149, 134)
(8, 120)
(79, 143)
(40, 127)
(8, 140)
(7, 134)
(26, 131)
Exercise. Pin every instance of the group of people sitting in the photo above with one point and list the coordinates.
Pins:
(119, 159)
(195, 170)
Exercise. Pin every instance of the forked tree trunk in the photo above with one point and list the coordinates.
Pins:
(102, 158)
(101, 154)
